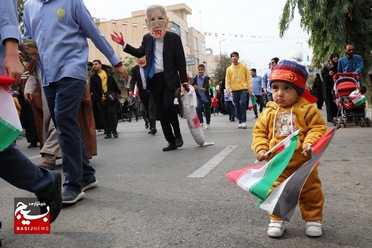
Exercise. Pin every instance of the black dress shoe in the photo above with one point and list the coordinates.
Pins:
(152, 131)
(54, 199)
(115, 134)
(170, 147)
(108, 136)
(179, 142)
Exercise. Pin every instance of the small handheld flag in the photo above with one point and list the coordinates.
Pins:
(259, 179)
(10, 125)
(252, 101)
(283, 200)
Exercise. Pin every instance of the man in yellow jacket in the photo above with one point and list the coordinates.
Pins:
(239, 85)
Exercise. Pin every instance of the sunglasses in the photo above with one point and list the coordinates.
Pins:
(350, 50)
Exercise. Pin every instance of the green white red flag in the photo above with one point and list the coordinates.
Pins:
(10, 125)
(283, 200)
(259, 179)
(252, 101)
(358, 99)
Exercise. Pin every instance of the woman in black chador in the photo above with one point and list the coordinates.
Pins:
(329, 69)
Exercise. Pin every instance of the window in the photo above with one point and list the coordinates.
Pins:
(203, 48)
(186, 38)
(175, 28)
(196, 44)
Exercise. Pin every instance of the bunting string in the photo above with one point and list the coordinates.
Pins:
(232, 37)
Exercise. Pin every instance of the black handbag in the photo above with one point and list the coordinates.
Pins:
(111, 96)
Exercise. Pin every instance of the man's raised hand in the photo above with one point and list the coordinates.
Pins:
(118, 38)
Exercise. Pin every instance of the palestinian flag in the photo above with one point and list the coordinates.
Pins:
(283, 199)
(259, 179)
(358, 100)
(252, 101)
(10, 126)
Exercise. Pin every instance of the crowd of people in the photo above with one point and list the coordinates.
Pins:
(66, 111)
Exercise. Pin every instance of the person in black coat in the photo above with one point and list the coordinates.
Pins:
(105, 91)
(329, 69)
(318, 90)
(222, 99)
(166, 68)
(139, 79)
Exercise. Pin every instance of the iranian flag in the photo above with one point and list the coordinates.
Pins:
(358, 100)
(259, 179)
(10, 126)
(252, 101)
(283, 199)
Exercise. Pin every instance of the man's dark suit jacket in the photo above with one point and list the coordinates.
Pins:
(137, 80)
(173, 57)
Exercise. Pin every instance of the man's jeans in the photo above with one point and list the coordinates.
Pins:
(64, 100)
(240, 101)
(206, 108)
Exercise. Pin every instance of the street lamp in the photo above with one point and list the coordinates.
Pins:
(220, 41)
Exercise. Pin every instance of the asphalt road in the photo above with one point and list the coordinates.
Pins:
(149, 198)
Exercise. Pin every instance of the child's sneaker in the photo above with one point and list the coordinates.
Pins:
(314, 229)
(276, 229)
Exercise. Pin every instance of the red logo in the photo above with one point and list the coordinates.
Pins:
(31, 216)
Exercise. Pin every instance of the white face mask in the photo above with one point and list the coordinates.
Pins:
(157, 22)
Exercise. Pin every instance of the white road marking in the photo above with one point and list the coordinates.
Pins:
(212, 163)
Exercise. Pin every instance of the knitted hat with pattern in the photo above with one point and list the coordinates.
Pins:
(291, 72)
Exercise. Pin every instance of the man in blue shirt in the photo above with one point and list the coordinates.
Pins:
(351, 62)
(257, 91)
(201, 85)
(266, 78)
(61, 29)
(16, 168)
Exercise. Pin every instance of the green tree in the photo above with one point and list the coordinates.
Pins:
(128, 62)
(222, 63)
(330, 24)
(20, 4)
